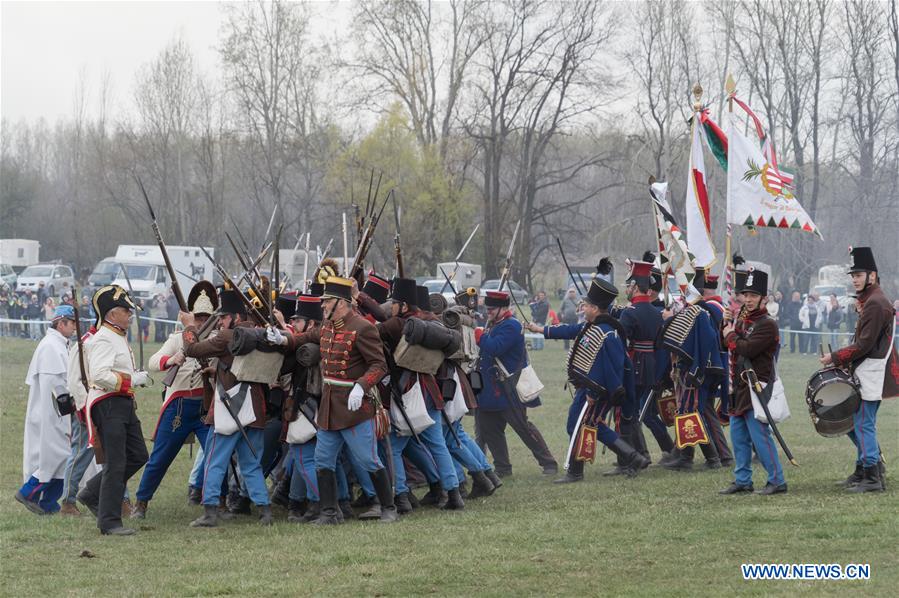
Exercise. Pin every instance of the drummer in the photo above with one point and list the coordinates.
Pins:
(753, 341)
(868, 358)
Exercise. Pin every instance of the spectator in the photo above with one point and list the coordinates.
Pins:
(159, 311)
(539, 308)
(49, 313)
(35, 313)
(851, 315)
(4, 311)
(86, 313)
(553, 318)
(773, 307)
(834, 320)
(789, 316)
(172, 309)
(14, 311)
(41, 293)
(144, 322)
(568, 312)
(809, 318)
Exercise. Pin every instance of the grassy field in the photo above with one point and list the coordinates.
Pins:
(661, 533)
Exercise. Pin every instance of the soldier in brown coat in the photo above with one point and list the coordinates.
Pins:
(352, 364)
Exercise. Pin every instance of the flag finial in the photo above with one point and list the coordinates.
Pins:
(697, 93)
(730, 86)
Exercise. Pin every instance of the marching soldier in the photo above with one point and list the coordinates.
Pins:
(112, 420)
(641, 322)
(352, 363)
(873, 360)
(182, 408)
(598, 366)
(753, 338)
(223, 445)
(498, 402)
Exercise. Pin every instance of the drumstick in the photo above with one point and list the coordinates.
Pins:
(821, 349)
(829, 349)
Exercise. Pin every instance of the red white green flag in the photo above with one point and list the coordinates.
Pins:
(699, 214)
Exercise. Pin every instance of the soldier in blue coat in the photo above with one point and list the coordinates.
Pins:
(641, 322)
(498, 403)
(598, 366)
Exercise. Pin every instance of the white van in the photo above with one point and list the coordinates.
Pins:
(147, 272)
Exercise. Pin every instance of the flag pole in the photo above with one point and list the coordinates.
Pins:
(730, 87)
(655, 225)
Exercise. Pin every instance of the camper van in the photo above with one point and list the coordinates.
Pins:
(147, 273)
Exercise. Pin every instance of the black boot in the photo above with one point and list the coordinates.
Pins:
(640, 443)
(625, 431)
(295, 511)
(240, 506)
(854, 478)
(480, 485)
(413, 500)
(194, 496)
(669, 457)
(434, 496)
(370, 508)
(327, 489)
(575, 473)
(281, 493)
(384, 489)
(494, 479)
(403, 504)
(633, 460)
(710, 452)
(683, 460)
(870, 482)
(454, 501)
(210, 517)
(463, 488)
(265, 515)
(312, 513)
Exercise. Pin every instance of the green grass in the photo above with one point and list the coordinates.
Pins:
(661, 533)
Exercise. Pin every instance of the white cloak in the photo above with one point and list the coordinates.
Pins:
(47, 435)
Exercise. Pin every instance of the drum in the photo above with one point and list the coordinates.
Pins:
(833, 397)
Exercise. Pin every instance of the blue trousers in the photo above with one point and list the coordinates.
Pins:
(652, 420)
(466, 452)
(303, 480)
(604, 433)
(45, 494)
(421, 458)
(219, 456)
(196, 473)
(864, 434)
(746, 432)
(361, 441)
(169, 442)
(436, 445)
(79, 459)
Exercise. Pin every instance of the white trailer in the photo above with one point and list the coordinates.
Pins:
(467, 275)
(148, 274)
(19, 253)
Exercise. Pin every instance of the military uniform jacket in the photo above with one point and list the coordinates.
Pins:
(505, 342)
(873, 338)
(692, 337)
(598, 352)
(352, 353)
(188, 382)
(216, 346)
(110, 365)
(756, 338)
(641, 321)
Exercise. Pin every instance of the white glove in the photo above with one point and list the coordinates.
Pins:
(274, 336)
(355, 400)
(140, 378)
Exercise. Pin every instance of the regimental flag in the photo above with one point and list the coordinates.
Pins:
(759, 193)
(674, 255)
(699, 214)
(714, 138)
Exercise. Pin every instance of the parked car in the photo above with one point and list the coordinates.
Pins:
(440, 285)
(8, 275)
(518, 292)
(57, 279)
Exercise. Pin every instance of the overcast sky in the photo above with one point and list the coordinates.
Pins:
(47, 45)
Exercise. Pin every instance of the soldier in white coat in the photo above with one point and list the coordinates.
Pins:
(46, 443)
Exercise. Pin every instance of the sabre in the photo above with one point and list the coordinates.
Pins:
(271, 222)
(567, 267)
(452, 276)
(507, 266)
(649, 397)
(754, 381)
(577, 427)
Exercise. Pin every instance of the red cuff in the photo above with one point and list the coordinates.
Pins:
(478, 333)
(124, 385)
(842, 356)
(162, 361)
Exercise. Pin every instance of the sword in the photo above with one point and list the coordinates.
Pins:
(567, 267)
(754, 381)
(645, 408)
(577, 427)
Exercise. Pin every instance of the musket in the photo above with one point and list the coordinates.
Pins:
(79, 341)
(397, 246)
(275, 284)
(249, 268)
(203, 332)
(507, 266)
(452, 276)
(140, 335)
(244, 258)
(225, 276)
(367, 238)
(176, 288)
(757, 386)
(271, 221)
(567, 267)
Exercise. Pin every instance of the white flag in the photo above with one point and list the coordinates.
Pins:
(699, 215)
